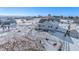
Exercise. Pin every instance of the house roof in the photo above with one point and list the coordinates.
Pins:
(45, 19)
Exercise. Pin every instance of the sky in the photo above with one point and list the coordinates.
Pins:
(35, 11)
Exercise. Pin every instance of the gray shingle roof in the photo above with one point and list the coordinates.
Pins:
(45, 19)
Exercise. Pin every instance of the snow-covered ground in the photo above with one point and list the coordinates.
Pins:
(47, 39)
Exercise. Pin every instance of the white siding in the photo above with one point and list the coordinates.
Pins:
(48, 25)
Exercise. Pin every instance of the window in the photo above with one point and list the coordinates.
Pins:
(50, 26)
(39, 25)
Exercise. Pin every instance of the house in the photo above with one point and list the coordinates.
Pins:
(76, 21)
(47, 24)
(63, 21)
(72, 26)
(20, 21)
(66, 21)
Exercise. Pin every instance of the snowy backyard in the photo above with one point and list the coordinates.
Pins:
(24, 37)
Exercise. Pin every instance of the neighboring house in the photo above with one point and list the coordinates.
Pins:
(7, 24)
(47, 25)
(63, 21)
(20, 21)
(76, 21)
(66, 21)
(72, 26)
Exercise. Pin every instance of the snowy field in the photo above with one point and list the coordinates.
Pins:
(47, 40)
